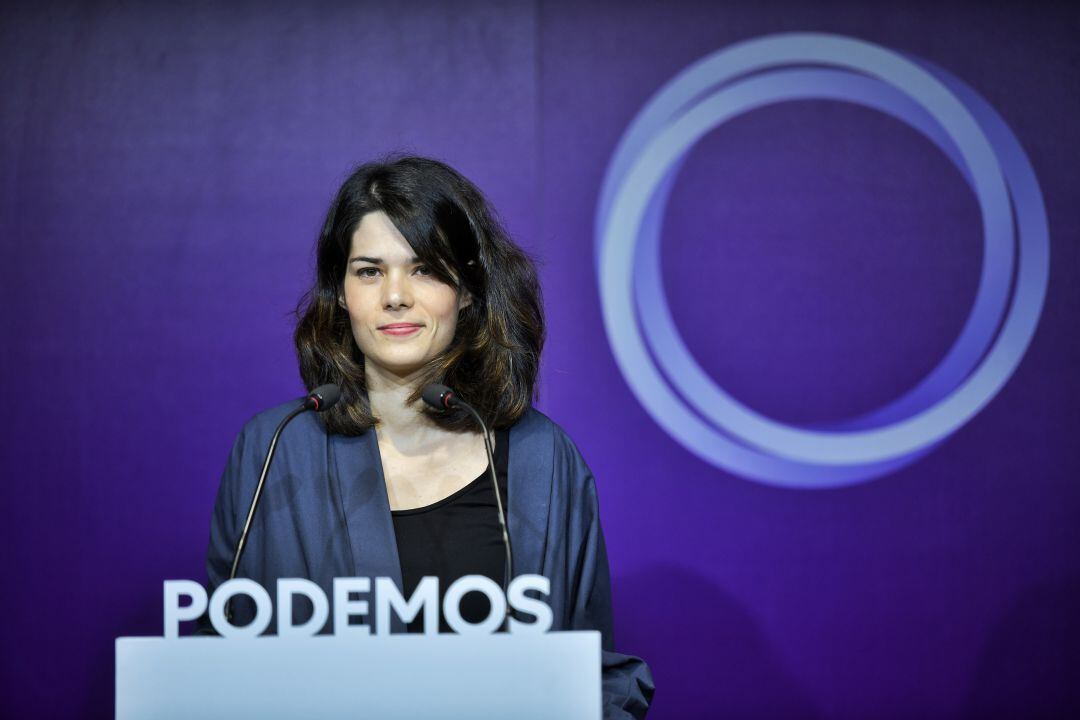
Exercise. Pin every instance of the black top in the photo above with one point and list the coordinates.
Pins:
(458, 535)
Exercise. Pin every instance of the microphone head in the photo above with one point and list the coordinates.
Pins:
(323, 398)
(438, 396)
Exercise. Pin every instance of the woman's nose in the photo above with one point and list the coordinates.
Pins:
(396, 293)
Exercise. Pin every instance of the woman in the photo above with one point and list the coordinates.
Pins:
(416, 283)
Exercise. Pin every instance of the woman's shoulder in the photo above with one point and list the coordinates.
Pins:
(536, 426)
(537, 433)
(260, 427)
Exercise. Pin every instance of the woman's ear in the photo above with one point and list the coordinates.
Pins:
(341, 301)
(465, 299)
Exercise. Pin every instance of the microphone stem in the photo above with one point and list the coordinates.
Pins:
(242, 542)
(508, 573)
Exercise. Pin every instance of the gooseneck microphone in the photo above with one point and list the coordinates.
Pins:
(443, 398)
(320, 399)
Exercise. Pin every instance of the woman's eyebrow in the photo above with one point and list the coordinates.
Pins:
(378, 261)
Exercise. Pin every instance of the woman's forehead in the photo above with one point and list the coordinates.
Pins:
(377, 237)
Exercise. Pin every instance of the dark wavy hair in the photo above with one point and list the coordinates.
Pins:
(493, 360)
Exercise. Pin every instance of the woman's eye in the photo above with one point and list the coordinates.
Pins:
(422, 270)
(367, 272)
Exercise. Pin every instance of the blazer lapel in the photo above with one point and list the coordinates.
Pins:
(529, 485)
(366, 511)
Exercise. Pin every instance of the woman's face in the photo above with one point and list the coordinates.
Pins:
(401, 315)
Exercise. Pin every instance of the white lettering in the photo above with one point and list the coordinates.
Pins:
(532, 606)
(452, 605)
(388, 599)
(344, 608)
(425, 597)
(286, 588)
(174, 613)
(264, 608)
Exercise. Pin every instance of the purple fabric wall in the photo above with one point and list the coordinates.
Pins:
(163, 173)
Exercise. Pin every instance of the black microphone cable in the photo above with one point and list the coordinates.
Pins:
(443, 398)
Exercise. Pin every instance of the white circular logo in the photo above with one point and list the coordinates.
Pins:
(655, 361)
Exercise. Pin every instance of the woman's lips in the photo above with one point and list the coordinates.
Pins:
(399, 328)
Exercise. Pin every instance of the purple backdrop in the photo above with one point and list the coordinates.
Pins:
(163, 173)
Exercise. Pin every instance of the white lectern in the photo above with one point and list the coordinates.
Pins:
(520, 676)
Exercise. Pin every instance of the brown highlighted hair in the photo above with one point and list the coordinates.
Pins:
(494, 357)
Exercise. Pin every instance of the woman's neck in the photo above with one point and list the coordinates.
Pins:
(403, 423)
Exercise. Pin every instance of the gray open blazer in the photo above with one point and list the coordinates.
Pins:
(325, 514)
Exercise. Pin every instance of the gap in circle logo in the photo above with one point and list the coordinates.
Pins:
(654, 358)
